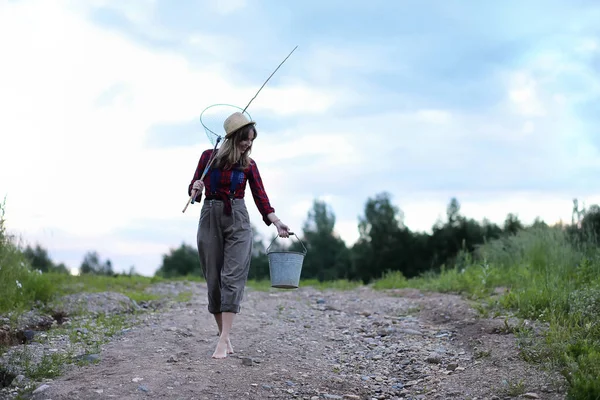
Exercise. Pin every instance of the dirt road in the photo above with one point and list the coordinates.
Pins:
(307, 344)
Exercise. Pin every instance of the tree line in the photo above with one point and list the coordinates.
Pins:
(91, 264)
(384, 244)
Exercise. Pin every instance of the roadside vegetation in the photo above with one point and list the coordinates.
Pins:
(549, 275)
(544, 275)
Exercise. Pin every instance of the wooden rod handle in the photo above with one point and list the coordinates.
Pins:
(189, 200)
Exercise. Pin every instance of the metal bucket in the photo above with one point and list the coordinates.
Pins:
(285, 266)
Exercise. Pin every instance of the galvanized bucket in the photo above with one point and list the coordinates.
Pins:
(285, 266)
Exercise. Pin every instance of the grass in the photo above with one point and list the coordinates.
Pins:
(131, 286)
(547, 276)
(513, 389)
(86, 337)
(22, 287)
(49, 366)
(183, 297)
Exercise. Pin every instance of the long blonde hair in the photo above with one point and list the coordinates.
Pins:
(229, 153)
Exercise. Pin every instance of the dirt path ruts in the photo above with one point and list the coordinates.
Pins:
(306, 344)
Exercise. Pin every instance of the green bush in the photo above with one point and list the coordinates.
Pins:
(19, 284)
(391, 280)
(585, 303)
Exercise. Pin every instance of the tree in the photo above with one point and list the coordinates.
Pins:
(384, 243)
(381, 218)
(490, 230)
(590, 224)
(131, 272)
(40, 260)
(38, 257)
(327, 257)
(92, 265)
(512, 224)
(539, 223)
(577, 214)
(182, 261)
(447, 237)
(60, 269)
(453, 212)
(458, 234)
(106, 268)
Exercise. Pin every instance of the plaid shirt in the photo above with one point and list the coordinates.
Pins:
(222, 190)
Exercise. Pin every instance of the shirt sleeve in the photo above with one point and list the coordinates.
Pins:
(198, 173)
(258, 193)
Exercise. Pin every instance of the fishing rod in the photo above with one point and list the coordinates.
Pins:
(263, 85)
(219, 138)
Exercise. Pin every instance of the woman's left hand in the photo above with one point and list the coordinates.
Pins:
(282, 229)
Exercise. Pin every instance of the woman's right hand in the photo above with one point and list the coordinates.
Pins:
(198, 186)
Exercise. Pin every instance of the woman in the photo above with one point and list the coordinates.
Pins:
(224, 232)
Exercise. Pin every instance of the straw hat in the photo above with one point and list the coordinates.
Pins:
(234, 122)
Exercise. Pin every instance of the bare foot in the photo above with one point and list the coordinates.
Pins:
(229, 347)
(221, 350)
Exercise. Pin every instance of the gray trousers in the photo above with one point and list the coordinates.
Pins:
(225, 249)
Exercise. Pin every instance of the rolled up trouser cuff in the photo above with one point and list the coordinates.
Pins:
(214, 310)
(232, 308)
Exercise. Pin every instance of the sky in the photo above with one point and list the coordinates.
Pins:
(493, 103)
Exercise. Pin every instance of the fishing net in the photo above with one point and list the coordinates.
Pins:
(212, 118)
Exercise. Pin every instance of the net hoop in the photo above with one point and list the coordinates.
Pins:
(207, 129)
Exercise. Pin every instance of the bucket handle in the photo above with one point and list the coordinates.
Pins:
(291, 234)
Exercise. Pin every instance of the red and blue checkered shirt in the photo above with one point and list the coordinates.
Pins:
(223, 185)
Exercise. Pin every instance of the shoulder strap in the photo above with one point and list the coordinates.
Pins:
(215, 175)
(237, 176)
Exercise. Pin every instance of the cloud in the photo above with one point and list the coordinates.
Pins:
(184, 134)
(512, 157)
(588, 46)
(83, 103)
(524, 95)
(137, 12)
(229, 6)
(87, 141)
(102, 136)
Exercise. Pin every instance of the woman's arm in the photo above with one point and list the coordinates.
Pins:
(262, 201)
(198, 173)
